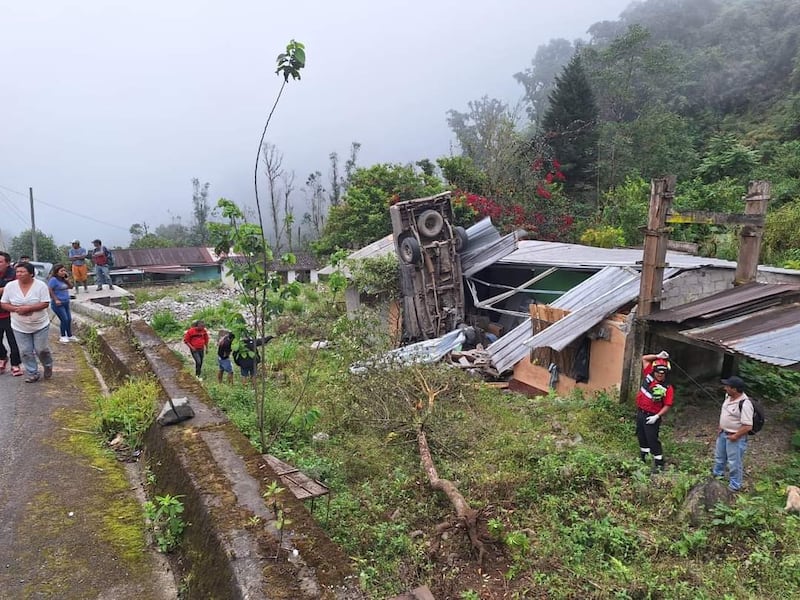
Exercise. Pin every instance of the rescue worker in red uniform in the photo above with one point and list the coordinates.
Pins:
(653, 401)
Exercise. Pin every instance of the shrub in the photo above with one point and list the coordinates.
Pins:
(165, 324)
(603, 237)
(129, 410)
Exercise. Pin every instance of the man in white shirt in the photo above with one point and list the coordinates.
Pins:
(735, 422)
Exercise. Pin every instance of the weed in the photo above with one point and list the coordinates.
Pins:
(129, 410)
(164, 515)
(165, 324)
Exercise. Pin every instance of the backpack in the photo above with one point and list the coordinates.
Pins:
(109, 258)
(758, 415)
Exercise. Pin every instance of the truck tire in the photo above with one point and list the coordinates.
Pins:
(410, 251)
(430, 223)
(460, 239)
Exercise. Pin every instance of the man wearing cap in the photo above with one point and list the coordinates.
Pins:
(735, 422)
(653, 401)
(80, 273)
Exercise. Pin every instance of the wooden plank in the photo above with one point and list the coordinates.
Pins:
(298, 483)
(703, 217)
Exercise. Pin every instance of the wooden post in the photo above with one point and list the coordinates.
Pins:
(750, 235)
(655, 245)
(653, 262)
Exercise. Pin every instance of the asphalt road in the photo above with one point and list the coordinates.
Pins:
(70, 522)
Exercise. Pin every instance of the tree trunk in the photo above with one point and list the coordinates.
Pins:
(464, 512)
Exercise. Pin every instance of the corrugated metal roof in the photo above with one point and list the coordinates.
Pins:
(599, 296)
(376, 249)
(771, 336)
(606, 292)
(141, 257)
(538, 252)
(744, 298)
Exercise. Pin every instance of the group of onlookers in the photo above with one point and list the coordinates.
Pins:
(24, 319)
(245, 355)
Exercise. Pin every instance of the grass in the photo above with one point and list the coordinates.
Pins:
(573, 512)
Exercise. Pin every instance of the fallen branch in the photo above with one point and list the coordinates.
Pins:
(467, 515)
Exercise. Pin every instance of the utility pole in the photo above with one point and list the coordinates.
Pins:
(33, 227)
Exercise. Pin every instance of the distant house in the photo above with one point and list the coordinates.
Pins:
(165, 265)
(305, 269)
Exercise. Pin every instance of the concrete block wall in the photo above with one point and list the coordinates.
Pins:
(695, 284)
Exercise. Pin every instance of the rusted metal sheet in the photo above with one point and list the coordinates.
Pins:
(771, 336)
(140, 257)
(744, 298)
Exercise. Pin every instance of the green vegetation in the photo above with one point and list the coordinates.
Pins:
(567, 509)
(128, 410)
(164, 514)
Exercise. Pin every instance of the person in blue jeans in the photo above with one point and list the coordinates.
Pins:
(59, 285)
(735, 422)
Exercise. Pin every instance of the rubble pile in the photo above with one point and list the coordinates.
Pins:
(187, 303)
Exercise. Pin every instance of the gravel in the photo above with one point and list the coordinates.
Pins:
(189, 303)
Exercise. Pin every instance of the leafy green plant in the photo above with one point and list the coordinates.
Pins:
(165, 324)
(164, 514)
(603, 237)
(128, 410)
(377, 276)
(689, 543)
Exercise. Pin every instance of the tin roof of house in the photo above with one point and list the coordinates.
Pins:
(771, 335)
(741, 299)
(147, 257)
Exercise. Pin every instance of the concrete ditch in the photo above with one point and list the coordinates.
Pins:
(232, 547)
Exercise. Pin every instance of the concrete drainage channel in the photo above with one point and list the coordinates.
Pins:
(232, 547)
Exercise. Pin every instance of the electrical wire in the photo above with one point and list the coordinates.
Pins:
(17, 213)
(66, 210)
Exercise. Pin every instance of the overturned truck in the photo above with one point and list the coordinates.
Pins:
(428, 245)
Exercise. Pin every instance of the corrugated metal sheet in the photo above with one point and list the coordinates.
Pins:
(483, 256)
(744, 298)
(141, 257)
(608, 290)
(537, 252)
(771, 336)
(601, 295)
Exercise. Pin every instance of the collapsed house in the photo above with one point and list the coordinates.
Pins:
(561, 316)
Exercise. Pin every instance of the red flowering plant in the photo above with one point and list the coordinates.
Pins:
(535, 203)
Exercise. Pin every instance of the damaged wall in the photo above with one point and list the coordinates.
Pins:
(605, 363)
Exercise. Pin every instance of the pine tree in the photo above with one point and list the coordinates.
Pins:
(570, 125)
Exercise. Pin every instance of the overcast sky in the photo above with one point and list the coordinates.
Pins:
(109, 108)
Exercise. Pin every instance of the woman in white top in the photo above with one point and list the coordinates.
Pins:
(27, 300)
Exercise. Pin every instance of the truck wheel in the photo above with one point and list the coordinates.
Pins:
(430, 223)
(410, 251)
(460, 238)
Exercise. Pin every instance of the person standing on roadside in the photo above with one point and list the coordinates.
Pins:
(653, 401)
(59, 286)
(7, 274)
(196, 338)
(101, 270)
(735, 423)
(27, 299)
(80, 272)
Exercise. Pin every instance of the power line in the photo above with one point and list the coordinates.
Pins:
(14, 209)
(66, 210)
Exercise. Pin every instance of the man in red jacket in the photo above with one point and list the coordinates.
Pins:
(653, 401)
(196, 338)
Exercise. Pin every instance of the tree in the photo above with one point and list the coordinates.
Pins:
(46, 249)
(138, 231)
(151, 240)
(486, 135)
(316, 201)
(264, 294)
(278, 196)
(339, 182)
(201, 210)
(363, 215)
(570, 126)
(539, 79)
